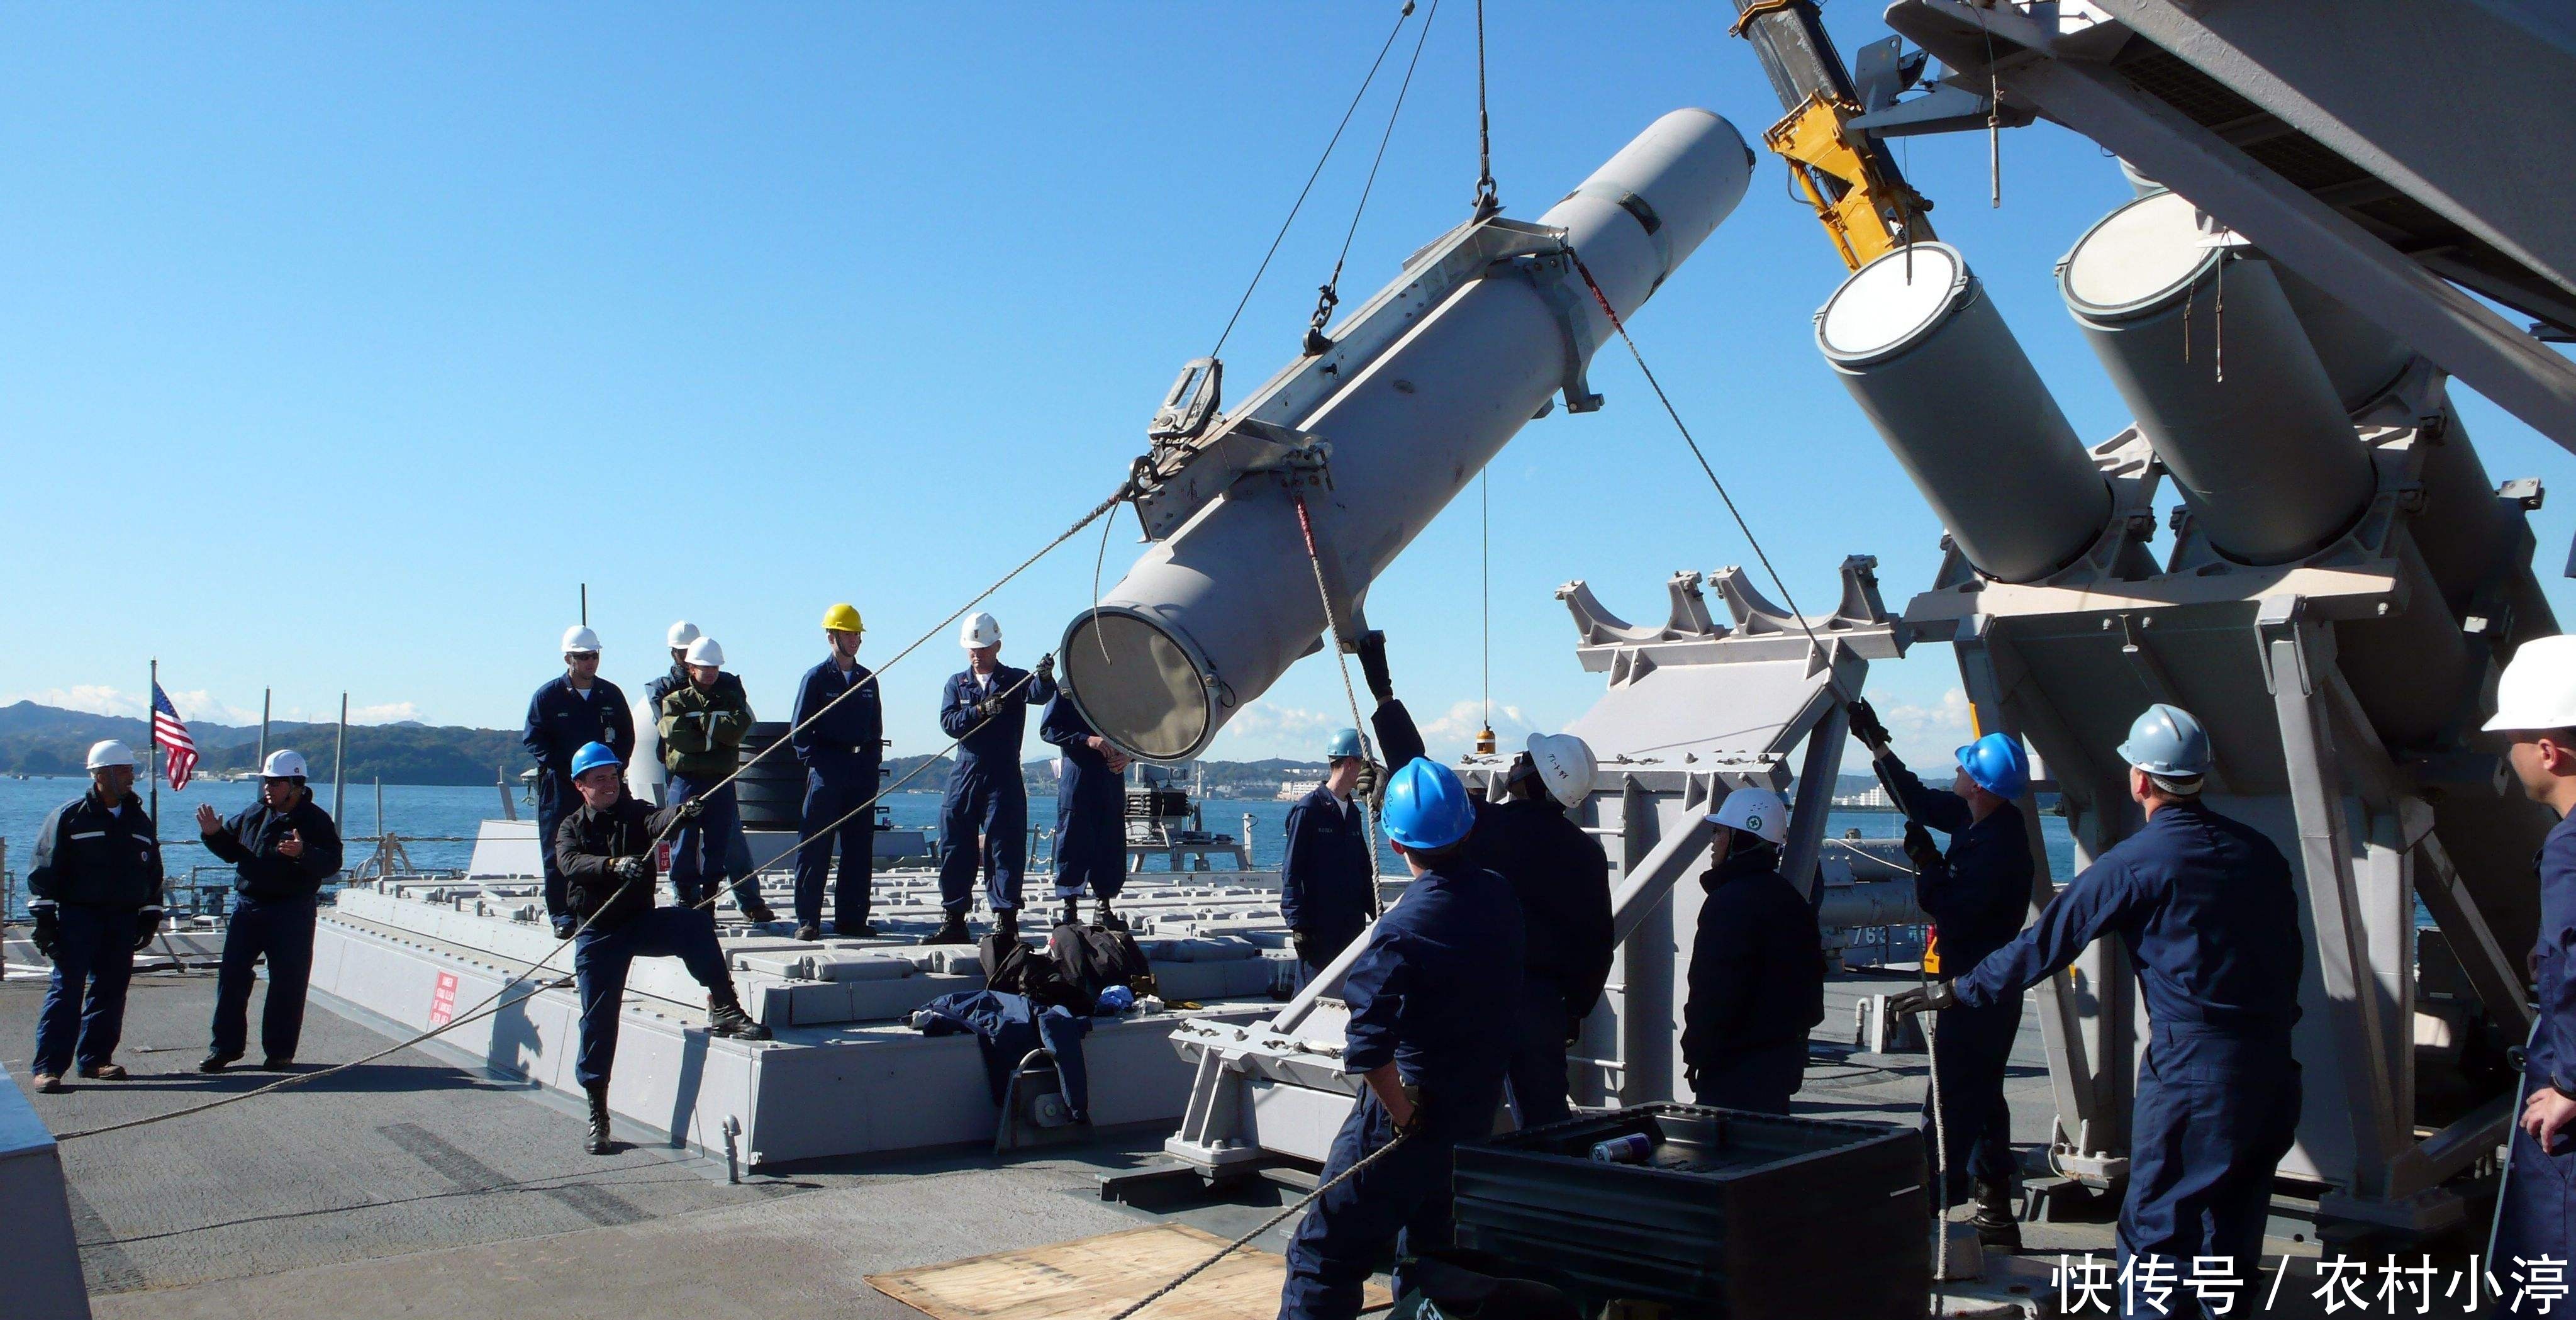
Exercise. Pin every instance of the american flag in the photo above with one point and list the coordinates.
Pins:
(172, 736)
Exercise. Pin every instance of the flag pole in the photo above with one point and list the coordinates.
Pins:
(152, 745)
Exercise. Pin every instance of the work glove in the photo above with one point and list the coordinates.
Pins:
(1920, 850)
(1298, 940)
(1044, 671)
(989, 706)
(1690, 1077)
(48, 932)
(693, 808)
(1372, 648)
(1865, 725)
(565, 925)
(1573, 1027)
(630, 869)
(1365, 787)
(1936, 996)
(147, 924)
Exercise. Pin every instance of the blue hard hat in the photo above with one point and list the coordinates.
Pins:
(2168, 743)
(1997, 764)
(1426, 806)
(591, 757)
(1346, 742)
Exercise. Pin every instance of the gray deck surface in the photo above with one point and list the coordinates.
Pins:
(413, 1187)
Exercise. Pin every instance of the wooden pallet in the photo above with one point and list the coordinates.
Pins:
(1097, 1277)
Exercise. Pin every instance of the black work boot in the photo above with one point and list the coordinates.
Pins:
(1998, 1220)
(1105, 919)
(952, 930)
(1072, 911)
(1006, 923)
(809, 931)
(726, 1018)
(216, 1061)
(601, 1143)
(756, 911)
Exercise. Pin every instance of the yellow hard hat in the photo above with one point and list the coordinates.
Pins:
(843, 618)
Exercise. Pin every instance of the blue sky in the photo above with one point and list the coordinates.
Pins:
(346, 342)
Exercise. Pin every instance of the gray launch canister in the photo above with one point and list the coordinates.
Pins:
(2206, 349)
(1922, 349)
(1210, 617)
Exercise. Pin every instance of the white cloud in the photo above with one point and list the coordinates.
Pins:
(1266, 729)
(1453, 734)
(90, 698)
(1923, 734)
(386, 713)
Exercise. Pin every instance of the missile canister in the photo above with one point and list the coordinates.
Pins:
(1210, 616)
(2204, 346)
(1922, 349)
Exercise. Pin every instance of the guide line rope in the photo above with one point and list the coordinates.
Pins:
(495, 1003)
(1266, 1225)
(1342, 658)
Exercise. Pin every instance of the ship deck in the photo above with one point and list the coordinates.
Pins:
(422, 1185)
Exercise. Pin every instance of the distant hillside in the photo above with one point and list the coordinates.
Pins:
(45, 740)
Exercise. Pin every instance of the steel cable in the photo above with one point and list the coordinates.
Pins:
(494, 1004)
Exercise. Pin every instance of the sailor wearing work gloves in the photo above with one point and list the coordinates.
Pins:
(1977, 895)
(95, 896)
(985, 814)
(2205, 908)
(283, 848)
(1422, 1041)
(605, 850)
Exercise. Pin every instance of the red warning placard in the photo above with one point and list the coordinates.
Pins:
(442, 1001)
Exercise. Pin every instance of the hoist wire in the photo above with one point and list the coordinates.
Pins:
(1311, 176)
(1485, 550)
(1333, 285)
(1485, 197)
(496, 1002)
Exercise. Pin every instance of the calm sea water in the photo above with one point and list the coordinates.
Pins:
(438, 823)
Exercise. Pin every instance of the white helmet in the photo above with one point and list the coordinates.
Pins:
(580, 639)
(2538, 689)
(704, 651)
(108, 753)
(1756, 811)
(283, 764)
(681, 634)
(1565, 764)
(982, 630)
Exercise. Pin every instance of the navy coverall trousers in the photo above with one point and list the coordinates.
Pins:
(1405, 1196)
(709, 850)
(987, 806)
(94, 954)
(280, 929)
(827, 801)
(1976, 1121)
(2214, 1114)
(1537, 1067)
(599, 962)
